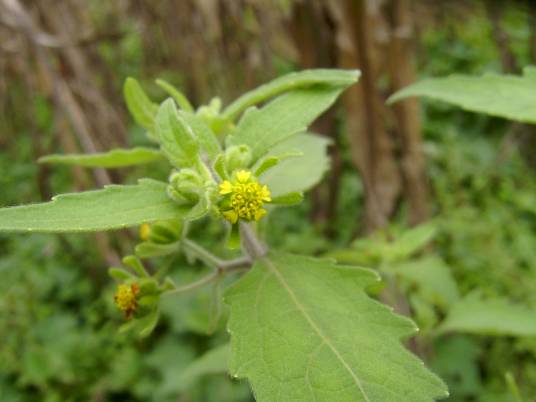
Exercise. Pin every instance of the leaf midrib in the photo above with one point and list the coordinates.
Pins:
(270, 264)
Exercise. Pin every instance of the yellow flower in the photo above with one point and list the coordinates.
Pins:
(125, 298)
(243, 176)
(245, 198)
(226, 187)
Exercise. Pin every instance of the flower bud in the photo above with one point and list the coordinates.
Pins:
(237, 157)
(185, 186)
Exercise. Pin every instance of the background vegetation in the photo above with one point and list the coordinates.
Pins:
(470, 177)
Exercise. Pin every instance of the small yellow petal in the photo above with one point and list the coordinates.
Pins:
(145, 231)
(259, 214)
(231, 216)
(226, 187)
(243, 176)
(265, 193)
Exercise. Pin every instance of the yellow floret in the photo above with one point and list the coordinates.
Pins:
(243, 176)
(125, 298)
(226, 187)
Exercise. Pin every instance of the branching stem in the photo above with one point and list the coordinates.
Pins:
(220, 267)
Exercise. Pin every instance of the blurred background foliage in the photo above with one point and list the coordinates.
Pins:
(471, 177)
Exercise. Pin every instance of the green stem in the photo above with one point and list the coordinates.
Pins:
(204, 255)
(197, 284)
(220, 267)
(251, 243)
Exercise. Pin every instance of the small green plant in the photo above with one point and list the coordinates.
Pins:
(302, 328)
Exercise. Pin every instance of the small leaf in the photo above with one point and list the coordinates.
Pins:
(509, 96)
(409, 242)
(134, 263)
(304, 329)
(179, 97)
(176, 137)
(302, 79)
(139, 104)
(150, 250)
(198, 210)
(302, 172)
(149, 300)
(288, 199)
(203, 133)
(219, 167)
(285, 116)
(433, 278)
(120, 274)
(148, 323)
(489, 317)
(215, 361)
(114, 207)
(115, 158)
(271, 161)
(266, 164)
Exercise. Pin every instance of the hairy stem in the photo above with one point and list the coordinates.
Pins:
(201, 253)
(251, 243)
(220, 267)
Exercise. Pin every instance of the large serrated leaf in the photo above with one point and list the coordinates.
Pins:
(304, 329)
(176, 137)
(490, 317)
(112, 159)
(509, 96)
(287, 115)
(300, 173)
(302, 79)
(114, 207)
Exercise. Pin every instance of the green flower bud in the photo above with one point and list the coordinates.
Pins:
(237, 157)
(185, 186)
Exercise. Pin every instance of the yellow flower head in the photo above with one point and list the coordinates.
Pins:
(246, 197)
(125, 298)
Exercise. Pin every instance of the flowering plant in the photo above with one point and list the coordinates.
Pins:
(302, 328)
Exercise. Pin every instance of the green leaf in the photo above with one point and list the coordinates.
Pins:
(509, 96)
(300, 173)
(134, 263)
(179, 97)
(144, 325)
(112, 159)
(409, 242)
(149, 249)
(114, 207)
(215, 361)
(120, 274)
(432, 277)
(139, 104)
(302, 79)
(176, 136)
(304, 329)
(489, 317)
(203, 133)
(288, 199)
(285, 116)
